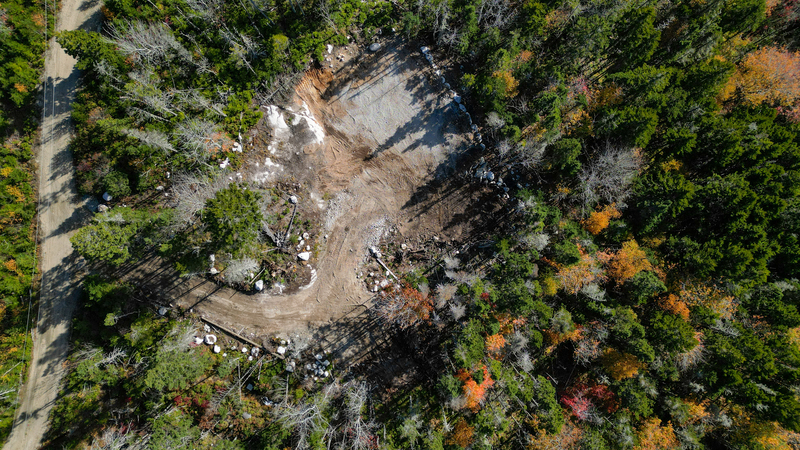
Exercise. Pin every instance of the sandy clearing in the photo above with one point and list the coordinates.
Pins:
(60, 215)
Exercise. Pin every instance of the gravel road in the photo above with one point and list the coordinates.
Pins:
(60, 215)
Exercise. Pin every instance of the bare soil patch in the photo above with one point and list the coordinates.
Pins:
(387, 170)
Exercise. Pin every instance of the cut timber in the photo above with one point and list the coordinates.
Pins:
(230, 332)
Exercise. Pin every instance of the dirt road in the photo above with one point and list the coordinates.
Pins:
(60, 214)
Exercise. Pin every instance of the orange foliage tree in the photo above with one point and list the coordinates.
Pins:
(495, 343)
(404, 306)
(599, 220)
(620, 365)
(653, 436)
(474, 393)
(463, 434)
(569, 437)
(627, 262)
(675, 305)
(768, 75)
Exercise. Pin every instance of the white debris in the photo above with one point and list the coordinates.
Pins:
(102, 208)
(293, 200)
(237, 147)
(281, 350)
(375, 47)
(249, 358)
(304, 256)
(246, 415)
(457, 98)
(217, 349)
(210, 339)
(213, 271)
(306, 236)
(318, 357)
(107, 197)
(198, 340)
(424, 49)
(275, 119)
(259, 285)
(244, 349)
(329, 47)
(255, 351)
(224, 163)
(162, 311)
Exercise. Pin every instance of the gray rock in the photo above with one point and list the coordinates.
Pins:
(375, 47)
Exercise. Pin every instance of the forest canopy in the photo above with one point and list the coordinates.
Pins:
(642, 295)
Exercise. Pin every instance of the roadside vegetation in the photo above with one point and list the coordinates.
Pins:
(22, 48)
(643, 293)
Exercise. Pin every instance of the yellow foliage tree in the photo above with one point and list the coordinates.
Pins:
(599, 220)
(573, 278)
(768, 75)
(510, 84)
(620, 365)
(653, 436)
(627, 262)
(708, 295)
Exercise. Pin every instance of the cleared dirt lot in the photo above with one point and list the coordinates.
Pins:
(386, 167)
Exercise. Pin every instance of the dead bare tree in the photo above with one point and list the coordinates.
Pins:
(151, 43)
(244, 50)
(609, 177)
(151, 138)
(239, 269)
(208, 10)
(200, 139)
(326, 9)
(113, 439)
(191, 193)
(306, 417)
(496, 13)
(358, 433)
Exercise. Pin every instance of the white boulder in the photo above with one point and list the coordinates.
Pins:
(304, 256)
